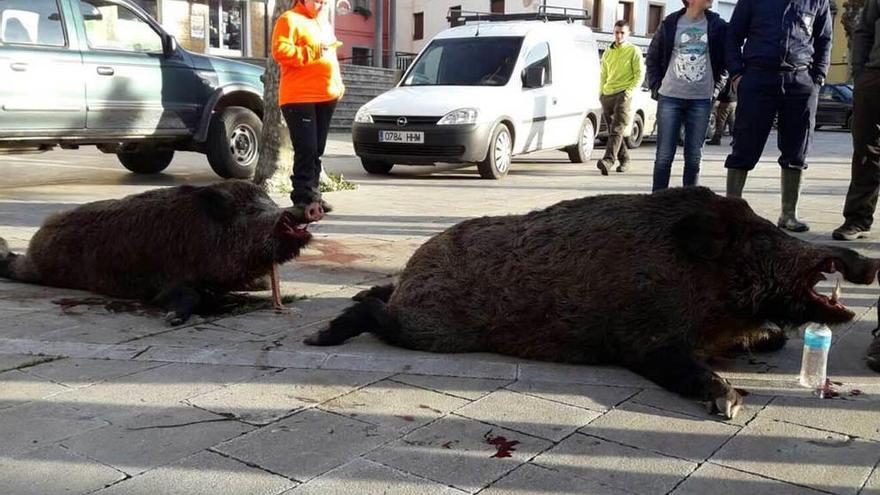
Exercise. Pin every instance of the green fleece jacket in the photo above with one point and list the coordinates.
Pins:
(621, 68)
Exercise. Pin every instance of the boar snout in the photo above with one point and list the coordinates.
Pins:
(855, 268)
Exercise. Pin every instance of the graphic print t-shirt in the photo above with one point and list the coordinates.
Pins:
(689, 75)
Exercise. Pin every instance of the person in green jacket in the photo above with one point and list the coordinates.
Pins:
(621, 74)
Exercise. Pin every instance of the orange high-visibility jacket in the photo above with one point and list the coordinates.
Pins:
(306, 75)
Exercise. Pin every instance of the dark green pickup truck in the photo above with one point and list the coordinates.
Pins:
(104, 73)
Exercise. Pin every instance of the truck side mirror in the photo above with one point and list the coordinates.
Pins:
(90, 12)
(169, 45)
(533, 76)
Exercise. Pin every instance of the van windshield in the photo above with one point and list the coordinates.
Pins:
(478, 61)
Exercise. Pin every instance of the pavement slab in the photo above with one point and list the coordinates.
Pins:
(661, 431)
(205, 473)
(458, 452)
(465, 388)
(719, 480)
(275, 395)
(526, 414)
(855, 416)
(34, 425)
(16, 361)
(77, 373)
(363, 476)
(530, 479)
(52, 470)
(307, 444)
(627, 468)
(154, 438)
(20, 388)
(394, 405)
(593, 397)
(668, 401)
(808, 457)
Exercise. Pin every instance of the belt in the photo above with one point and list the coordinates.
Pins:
(778, 68)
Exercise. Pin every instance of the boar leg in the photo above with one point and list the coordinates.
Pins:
(180, 301)
(677, 369)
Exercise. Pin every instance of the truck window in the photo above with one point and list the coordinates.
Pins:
(540, 55)
(114, 27)
(483, 61)
(31, 22)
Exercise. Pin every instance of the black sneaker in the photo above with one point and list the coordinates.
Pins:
(848, 232)
(714, 142)
(327, 207)
(602, 166)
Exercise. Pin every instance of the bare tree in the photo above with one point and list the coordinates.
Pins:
(275, 164)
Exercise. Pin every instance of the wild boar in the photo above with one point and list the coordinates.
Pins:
(172, 247)
(650, 282)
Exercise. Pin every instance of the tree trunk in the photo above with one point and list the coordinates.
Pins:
(275, 165)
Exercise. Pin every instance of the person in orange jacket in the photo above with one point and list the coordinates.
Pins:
(311, 83)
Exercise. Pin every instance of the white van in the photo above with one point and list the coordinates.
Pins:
(483, 92)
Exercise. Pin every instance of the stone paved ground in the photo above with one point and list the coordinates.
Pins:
(94, 401)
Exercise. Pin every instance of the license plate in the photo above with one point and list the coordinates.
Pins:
(411, 137)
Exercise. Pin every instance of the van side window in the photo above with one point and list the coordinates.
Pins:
(31, 22)
(114, 27)
(539, 55)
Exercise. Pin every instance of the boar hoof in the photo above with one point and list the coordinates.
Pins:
(174, 319)
(725, 400)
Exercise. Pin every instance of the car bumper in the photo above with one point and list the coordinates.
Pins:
(443, 144)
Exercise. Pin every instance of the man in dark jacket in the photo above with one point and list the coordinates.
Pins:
(685, 65)
(861, 199)
(778, 53)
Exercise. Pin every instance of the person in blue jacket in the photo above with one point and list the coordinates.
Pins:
(778, 53)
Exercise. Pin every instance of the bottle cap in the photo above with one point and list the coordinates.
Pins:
(818, 337)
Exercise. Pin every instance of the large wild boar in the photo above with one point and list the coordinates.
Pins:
(650, 282)
(173, 247)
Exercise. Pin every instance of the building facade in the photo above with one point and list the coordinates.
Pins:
(419, 20)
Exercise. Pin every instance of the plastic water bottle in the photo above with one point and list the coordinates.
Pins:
(817, 343)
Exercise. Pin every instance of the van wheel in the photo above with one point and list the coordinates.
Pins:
(146, 162)
(581, 152)
(376, 167)
(500, 153)
(234, 142)
(637, 134)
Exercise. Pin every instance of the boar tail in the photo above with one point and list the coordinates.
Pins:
(369, 315)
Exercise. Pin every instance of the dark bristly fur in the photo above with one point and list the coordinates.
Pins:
(172, 246)
(647, 281)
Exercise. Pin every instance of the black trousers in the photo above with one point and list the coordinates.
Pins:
(762, 95)
(864, 185)
(309, 124)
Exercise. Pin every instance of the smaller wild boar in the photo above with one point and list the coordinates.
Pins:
(172, 247)
(650, 282)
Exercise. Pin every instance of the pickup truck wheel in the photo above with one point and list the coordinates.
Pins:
(376, 166)
(146, 162)
(233, 142)
(499, 155)
(580, 153)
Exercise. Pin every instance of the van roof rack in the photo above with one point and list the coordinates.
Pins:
(544, 13)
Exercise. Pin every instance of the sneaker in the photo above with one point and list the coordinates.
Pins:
(848, 232)
(714, 142)
(872, 357)
(623, 167)
(602, 166)
(327, 207)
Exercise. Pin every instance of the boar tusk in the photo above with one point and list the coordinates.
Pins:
(837, 292)
(276, 290)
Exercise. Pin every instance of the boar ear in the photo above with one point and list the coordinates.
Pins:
(701, 235)
(216, 204)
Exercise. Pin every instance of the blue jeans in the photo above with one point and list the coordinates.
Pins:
(671, 114)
